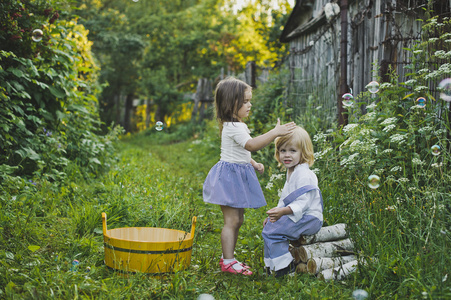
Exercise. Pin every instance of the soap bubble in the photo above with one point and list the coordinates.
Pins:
(75, 264)
(445, 89)
(421, 102)
(159, 126)
(205, 297)
(435, 150)
(36, 35)
(373, 87)
(348, 100)
(360, 294)
(373, 181)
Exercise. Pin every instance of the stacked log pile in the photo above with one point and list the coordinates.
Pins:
(328, 254)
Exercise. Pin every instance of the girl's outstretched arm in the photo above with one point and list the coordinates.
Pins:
(265, 139)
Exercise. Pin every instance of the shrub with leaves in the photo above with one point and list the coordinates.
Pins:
(48, 87)
(403, 221)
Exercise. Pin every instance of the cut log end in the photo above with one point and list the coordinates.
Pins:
(299, 254)
(301, 268)
(311, 266)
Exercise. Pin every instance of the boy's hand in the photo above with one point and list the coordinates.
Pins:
(276, 213)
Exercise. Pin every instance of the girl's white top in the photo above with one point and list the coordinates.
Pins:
(234, 137)
(308, 203)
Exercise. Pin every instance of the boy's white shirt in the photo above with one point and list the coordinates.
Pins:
(306, 204)
(233, 139)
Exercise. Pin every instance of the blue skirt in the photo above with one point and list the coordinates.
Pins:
(234, 185)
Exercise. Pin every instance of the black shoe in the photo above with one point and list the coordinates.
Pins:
(290, 269)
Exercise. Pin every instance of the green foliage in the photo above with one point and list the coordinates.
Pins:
(48, 106)
(157, 50)
(402, 227)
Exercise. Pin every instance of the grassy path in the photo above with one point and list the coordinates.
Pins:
(174, 175)
(152, 184)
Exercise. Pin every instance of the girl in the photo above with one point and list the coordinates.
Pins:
(232, 182)
(300, 208)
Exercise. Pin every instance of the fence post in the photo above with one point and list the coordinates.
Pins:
(342, 117)
(251, 73)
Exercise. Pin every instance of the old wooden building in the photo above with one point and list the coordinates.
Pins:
(340, 46)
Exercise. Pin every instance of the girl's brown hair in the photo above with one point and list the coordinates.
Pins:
(229, 97)
(301, 139)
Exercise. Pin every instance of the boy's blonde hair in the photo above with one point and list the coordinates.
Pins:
(229, 97)
(301, 139)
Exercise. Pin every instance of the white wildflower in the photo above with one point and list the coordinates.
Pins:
(417, 161)
(433, 40)
(432, 75)
(379, 171)
(440, 54)
(390, 178)
(425, 130)
(366, 132)
(445, 68)
(447, 41)
(421, 88)
(385, 85)
(349, 127)
(195, 142)
(389, 121)
(319, 155)
(368, 116)
(316, 171)
(269, 185)
(318, 107)
(395, 169)
(371, 106)
(436, 165)
(410, 82)
(329, 130)
(389, 128)
(344, 144)
(387, 151)
(398, 138)
(349, 160)
(403, 180)
(411, 189)
(355, 145)
(417, 51)
(371, 162)
(390, 207)
(423, 71)
(319, 137)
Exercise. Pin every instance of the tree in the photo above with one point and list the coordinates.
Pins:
(157, 50)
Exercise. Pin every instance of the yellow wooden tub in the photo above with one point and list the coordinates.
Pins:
(147, 249)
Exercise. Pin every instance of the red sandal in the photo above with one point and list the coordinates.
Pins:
(229, 268)
(221, 263)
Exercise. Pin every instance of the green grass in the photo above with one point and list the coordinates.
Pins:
(159, 184)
